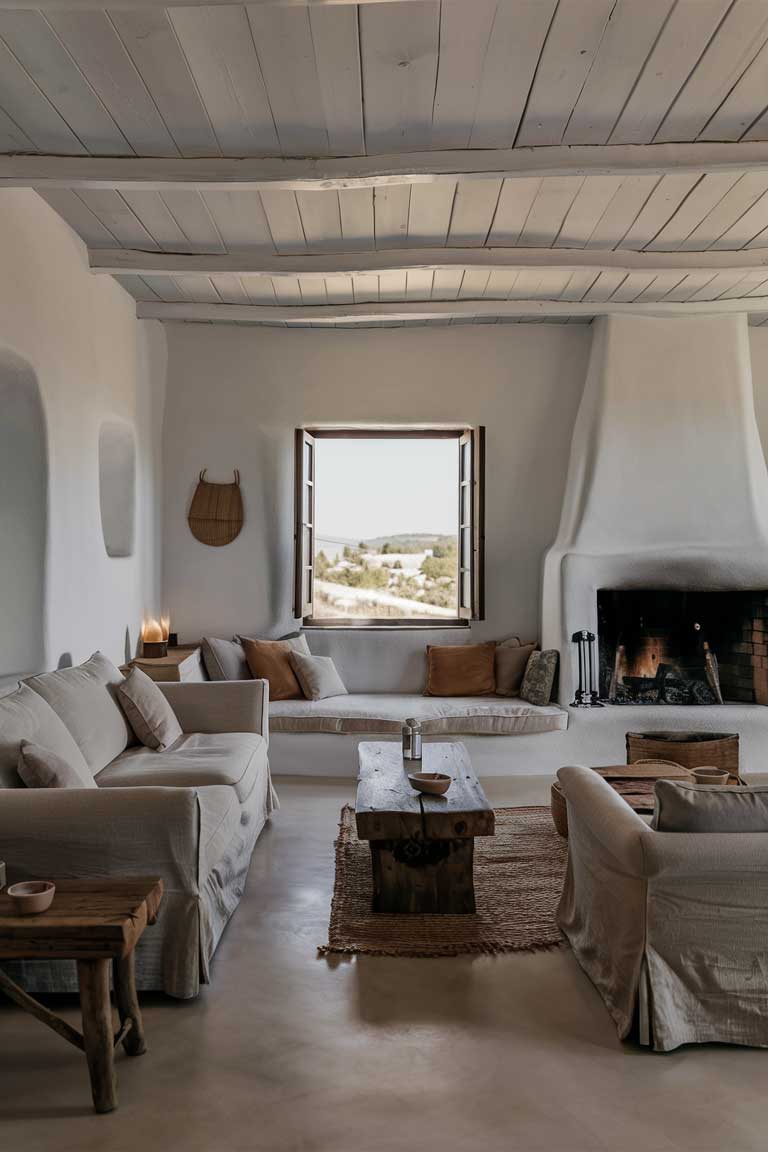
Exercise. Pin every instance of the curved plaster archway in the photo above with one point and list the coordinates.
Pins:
(23, 519)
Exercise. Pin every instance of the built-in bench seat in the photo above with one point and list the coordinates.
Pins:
(383, 713)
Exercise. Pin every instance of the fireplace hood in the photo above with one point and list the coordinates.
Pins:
(667, 484)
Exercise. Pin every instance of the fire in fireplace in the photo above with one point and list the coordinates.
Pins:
(682, 647)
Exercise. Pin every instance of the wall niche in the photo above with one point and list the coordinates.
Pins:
(23, 520)
(117, 486)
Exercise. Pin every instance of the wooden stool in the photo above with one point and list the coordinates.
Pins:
(97, 923)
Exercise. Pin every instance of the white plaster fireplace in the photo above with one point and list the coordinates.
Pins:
(667, 483)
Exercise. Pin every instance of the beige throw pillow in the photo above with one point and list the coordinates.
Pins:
(149, 713)
(317, 676)
(684, 807)
(511, 662)
(41, 768)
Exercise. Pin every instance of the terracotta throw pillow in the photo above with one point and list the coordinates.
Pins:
(511, 662)
(271, 660)
(461, 670)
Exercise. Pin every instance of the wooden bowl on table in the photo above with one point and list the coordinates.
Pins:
(434, 783)
(31, 897)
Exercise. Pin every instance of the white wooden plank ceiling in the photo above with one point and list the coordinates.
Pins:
(270, 79)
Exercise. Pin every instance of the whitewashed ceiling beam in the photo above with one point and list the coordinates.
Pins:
(432, 310)
(159, 5)
(116, 261)
(304, 174)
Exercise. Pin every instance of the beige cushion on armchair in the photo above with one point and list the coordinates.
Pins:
(41, 768)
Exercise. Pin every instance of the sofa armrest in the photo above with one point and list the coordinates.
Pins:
(221, 706)
(84, 833)
(609, 819)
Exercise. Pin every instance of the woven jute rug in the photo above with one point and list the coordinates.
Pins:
(518, 879)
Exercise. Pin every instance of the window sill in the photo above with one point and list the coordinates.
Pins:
(382, 626)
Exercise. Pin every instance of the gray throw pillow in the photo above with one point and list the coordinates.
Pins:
(317, 676)
(224, 659)
(684, 807)
(511, 661)
(149, 713)
(539, 678)
(39, 767)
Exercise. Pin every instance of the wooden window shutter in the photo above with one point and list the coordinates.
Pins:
(472, 524)
(304, 580)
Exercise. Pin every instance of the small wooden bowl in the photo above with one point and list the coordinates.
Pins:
(31, 896)
(436, 783)
(711, 775)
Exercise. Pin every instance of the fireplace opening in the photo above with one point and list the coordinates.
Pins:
(682, 647)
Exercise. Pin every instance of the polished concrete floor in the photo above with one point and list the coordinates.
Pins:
(288, 1051)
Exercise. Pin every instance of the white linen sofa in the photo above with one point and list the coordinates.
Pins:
(384, 672)
(190, 815)
(670, 927)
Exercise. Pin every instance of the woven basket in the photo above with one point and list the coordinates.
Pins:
(559, 810)
(688, 749)
(216, 512)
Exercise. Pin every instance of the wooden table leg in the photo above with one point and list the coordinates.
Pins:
(423, 876)
(98, 1035)
(124, 977)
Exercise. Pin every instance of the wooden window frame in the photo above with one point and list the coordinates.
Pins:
(471, 566)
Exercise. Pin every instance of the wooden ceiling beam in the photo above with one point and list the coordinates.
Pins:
(436, 310)
(85, 5)
(118, 261)
(308, 173)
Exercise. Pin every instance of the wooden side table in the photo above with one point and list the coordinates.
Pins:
(183, 664)
(96, 923)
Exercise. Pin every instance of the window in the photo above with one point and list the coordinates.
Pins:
(389, 526)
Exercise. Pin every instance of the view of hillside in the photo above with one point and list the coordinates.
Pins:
(413, 574)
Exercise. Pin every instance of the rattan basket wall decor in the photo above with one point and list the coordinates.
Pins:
(216, 512)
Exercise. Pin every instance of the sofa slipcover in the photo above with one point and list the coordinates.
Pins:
(670, 927)
(384, 713)
(192, 819)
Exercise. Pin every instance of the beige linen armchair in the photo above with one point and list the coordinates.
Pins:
(670, 927)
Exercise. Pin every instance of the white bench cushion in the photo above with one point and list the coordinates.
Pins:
(383, 713)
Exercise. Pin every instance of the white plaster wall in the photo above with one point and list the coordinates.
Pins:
(94, 361)
(235, 395)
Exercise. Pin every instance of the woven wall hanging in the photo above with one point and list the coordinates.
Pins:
(216, 512)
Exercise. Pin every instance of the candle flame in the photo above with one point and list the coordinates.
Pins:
(151, 631)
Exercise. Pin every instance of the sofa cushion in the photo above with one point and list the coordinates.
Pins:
(317, 676)
(270, 660)
(460, 669)
(539, 678)
(384, 713)
(224, 659)
(24, 715)
(195, 761)
(511, 662)
(684, 807)
(41, 768)
(84, 698)
(149, 713)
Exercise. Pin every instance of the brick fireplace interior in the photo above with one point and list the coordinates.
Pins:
(682, 647)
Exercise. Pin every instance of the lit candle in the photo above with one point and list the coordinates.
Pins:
(165, 626)
(151, 631)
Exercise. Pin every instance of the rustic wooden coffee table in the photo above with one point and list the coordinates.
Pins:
(96, 923)
(422, 847)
